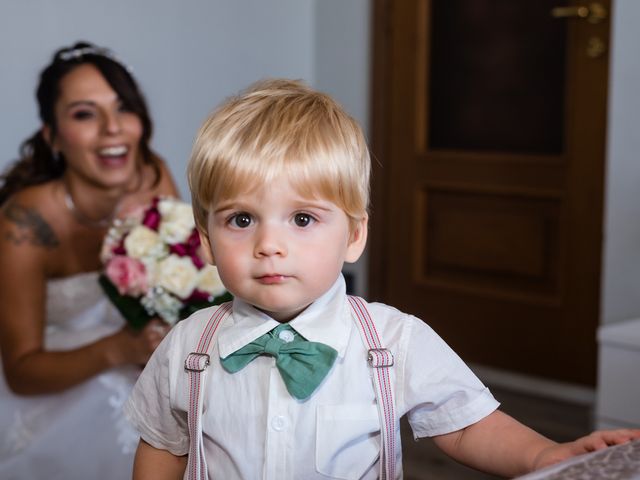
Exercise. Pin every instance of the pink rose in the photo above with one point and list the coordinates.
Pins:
(128, 275)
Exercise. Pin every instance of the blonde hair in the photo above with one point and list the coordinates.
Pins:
(280, 129)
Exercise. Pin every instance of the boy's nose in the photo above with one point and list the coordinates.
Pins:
(269, 242)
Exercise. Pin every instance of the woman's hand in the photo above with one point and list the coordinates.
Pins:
(131, 347)
(591, 443)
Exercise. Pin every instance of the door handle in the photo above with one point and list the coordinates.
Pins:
(592, 13)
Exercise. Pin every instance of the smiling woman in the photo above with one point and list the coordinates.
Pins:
(97, 132)
(99, 137)
(68, 361)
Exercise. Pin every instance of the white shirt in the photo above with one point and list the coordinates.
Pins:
(253, 428)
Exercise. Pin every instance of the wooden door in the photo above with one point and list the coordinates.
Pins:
(489, 140)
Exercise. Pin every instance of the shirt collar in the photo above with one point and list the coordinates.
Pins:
(327, 320)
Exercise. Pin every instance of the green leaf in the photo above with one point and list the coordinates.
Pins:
(129, 307)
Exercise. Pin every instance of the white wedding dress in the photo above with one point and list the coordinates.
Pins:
(79, 433)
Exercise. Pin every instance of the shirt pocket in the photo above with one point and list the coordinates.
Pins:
(347, 440)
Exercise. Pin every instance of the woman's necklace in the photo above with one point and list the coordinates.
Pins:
(81, 217)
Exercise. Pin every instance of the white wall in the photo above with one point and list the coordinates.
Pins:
(342, 59)
(619, 338)
(621, 255)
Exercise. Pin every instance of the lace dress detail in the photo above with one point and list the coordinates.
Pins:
(79, 433)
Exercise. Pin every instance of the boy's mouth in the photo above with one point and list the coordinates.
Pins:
(272, 278)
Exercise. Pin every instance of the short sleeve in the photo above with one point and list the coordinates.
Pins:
(441, 393)
(150, 407)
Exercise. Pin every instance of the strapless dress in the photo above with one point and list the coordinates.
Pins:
(79, 433)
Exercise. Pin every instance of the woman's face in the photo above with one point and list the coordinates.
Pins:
(98, 137)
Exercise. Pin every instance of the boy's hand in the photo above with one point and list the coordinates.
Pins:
(500, 445)
(595, 441)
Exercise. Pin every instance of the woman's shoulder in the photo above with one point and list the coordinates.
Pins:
(34, 209)
(166, 182)
(30, 223)
(160, 179)
(154, 183)
(149, 187)
(39, 195)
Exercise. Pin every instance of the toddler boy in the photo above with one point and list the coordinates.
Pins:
(280, 187)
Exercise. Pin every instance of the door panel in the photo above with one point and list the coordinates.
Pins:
(515, 256)
(489, 128)
(515, 52)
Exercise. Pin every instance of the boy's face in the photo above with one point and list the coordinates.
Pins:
(278, 250)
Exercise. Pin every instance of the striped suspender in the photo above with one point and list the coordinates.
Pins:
(380, 360)
(195, 364)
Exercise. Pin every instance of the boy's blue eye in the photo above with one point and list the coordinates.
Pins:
(241, 220)
(302, 219)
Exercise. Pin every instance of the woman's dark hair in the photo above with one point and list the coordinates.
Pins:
(37, 163)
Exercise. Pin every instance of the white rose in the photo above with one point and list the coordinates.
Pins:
(159, 302)
(143, 242)
(150, 266)
(209, 281)
(177, 274)
(177, 221)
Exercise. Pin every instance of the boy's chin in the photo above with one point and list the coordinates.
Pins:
(281, 315)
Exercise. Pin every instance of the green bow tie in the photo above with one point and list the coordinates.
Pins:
(302, 364)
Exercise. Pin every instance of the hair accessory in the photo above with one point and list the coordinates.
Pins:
(78, 53)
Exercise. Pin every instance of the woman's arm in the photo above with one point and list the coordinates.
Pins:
(154, 464)
(26, 241)
(500, 445)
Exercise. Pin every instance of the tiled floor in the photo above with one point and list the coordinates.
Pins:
(557, 420)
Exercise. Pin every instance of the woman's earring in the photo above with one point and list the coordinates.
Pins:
(58, 162)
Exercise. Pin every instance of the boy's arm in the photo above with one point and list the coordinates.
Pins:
(154, 464)
(500, 445)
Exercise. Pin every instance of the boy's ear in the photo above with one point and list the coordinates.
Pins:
(357, 240)
(206, 247)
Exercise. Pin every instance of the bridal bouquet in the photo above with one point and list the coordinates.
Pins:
(153, 267)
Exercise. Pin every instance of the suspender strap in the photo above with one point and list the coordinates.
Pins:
(195, 364)
(380, 360)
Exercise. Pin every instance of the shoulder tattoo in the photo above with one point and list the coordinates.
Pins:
(31, 228)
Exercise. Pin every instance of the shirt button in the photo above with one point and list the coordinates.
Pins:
(286, 336)
(279, 423)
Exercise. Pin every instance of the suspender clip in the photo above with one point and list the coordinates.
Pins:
(380, 357)
(196, 362)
